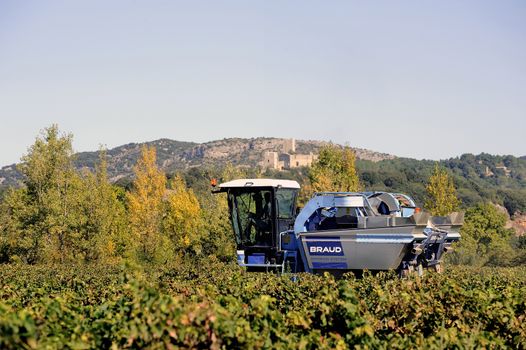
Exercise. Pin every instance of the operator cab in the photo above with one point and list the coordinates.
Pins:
(259, 210)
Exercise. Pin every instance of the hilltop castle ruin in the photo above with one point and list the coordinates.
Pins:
(286, 158)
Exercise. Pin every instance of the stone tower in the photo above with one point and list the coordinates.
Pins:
(270, 160)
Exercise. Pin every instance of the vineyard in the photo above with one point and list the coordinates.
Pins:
(216, 305)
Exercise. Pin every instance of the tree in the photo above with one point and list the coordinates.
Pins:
(60, 215)
(219, 240)
(231, 172)
(47, 213)
(485, 238)
(16, 244)
(103, 235)
(182, 221)
(441, 196)
(145, 206)
(47, 163)
(514, 201)
(334, 170)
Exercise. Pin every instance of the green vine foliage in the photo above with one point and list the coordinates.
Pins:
(220, 306)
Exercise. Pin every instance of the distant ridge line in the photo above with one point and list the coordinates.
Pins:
(173, 155)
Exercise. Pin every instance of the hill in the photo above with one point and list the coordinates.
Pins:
(176, 155)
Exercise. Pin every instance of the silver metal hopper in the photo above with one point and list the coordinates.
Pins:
(342, 231)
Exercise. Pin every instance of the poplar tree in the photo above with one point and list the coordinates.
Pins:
(145, 205)
(441, 198)
(103, 235)
(334, 170)
(182, 222)
(50, 216)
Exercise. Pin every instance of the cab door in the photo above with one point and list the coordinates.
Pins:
(285, 208)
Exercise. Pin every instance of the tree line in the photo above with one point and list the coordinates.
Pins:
(63, 215)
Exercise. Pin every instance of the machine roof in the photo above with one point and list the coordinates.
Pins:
(260, 183)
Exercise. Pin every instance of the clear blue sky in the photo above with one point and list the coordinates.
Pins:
(424, 79)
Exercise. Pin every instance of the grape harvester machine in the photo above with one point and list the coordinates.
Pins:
(334, 231)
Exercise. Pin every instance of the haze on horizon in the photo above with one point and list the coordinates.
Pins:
(417, 79)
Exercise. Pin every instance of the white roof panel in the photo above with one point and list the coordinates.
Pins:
(260, 183)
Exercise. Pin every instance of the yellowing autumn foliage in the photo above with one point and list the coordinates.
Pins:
(182, 221)
(145, 205)
(334, 171)
(441, 194)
